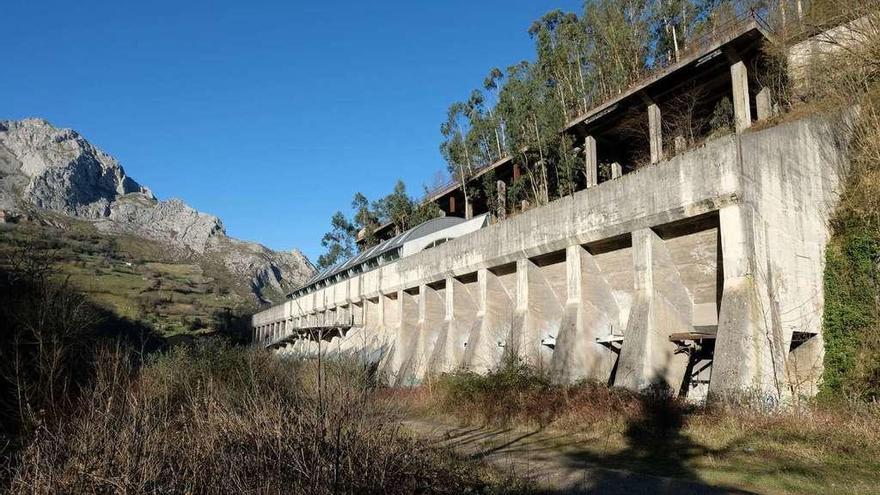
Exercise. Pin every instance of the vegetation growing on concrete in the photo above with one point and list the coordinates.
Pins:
(847, 76)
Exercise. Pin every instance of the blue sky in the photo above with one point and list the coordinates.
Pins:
(270, 115)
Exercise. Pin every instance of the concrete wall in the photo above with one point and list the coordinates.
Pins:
(725, 241)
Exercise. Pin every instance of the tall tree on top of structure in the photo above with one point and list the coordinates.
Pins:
(455, 148)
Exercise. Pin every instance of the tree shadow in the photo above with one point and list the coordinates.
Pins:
(658, 457)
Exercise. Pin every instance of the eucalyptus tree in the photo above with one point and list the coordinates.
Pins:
(366, 220)
(339, 242)
(619, 30)
(492, 85)
(455, 149)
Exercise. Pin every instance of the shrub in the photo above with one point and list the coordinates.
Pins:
(216, 419)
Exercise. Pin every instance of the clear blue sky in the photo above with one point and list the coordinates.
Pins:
(270, 115)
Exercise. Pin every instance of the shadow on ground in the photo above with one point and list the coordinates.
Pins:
(657, 458)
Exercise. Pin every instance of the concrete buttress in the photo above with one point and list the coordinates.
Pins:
(662, 306)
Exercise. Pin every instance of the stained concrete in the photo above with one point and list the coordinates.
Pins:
(725, 241)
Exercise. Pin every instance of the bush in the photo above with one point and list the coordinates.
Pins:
(216, 419)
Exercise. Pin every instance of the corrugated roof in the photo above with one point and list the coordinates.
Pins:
(384, 247)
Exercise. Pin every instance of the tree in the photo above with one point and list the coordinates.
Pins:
(339, 241)
(455, 148)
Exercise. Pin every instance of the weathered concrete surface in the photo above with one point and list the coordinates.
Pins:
(662, 307)
(725, 241)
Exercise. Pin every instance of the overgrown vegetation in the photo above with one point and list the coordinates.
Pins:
(397, 208)
(134, 278)
(93, 403)
(215, 419)
(580, 60)
(815, 447)
(845, 73)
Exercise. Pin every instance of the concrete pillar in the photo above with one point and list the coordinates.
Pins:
(492, 327)
(749, 355)
(739, 77)
(591, 311)
(655, 132)
(764, 104)
(661, 306)
(616, 171)
(460, 315)
(405, 339)
(680, 144)
(501, 201)
(432, 312)
(538, 315)
(591, 163)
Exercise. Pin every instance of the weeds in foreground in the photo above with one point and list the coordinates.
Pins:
(816, 446)
(229, 420)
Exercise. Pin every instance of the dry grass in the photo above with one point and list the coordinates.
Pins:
(808, 448)
(230, 420)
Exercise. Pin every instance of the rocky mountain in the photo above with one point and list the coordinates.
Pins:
(44, 168)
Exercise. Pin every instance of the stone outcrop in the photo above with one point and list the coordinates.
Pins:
(46, 168)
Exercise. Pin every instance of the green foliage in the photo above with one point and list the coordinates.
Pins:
(852, 285)
(398, 208)
(339, 242)
(721, 121)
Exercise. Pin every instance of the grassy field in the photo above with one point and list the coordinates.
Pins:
(132, 277)
(812, 447)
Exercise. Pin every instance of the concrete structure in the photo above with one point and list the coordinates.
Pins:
(700, 273)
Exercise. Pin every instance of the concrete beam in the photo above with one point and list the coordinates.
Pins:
(432, 313)
(616, 170)
(405, 339)
(538, 316)
(764, 104)
(591, 161)
(749, 354)
(501, 201)
(662, 306)
(739, 78)
(655, 132)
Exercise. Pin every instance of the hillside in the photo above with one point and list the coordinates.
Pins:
(158, 261)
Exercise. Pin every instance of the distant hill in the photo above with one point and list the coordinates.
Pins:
(64, 195)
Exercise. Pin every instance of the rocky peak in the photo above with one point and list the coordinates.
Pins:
(58, 170)
(65, 172)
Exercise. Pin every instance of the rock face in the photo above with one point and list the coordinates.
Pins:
(58, 170)
(65, 172)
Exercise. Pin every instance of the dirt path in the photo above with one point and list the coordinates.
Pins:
(551, 461)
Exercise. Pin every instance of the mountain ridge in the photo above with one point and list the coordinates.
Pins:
(46, 168)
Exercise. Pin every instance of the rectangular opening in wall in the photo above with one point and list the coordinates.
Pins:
(413, 291)
(392, 296)
(468, 278)
(505, 269)
(438, 285)
(687, 226)
(694, 247)
(551, 258)
(615, 243)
